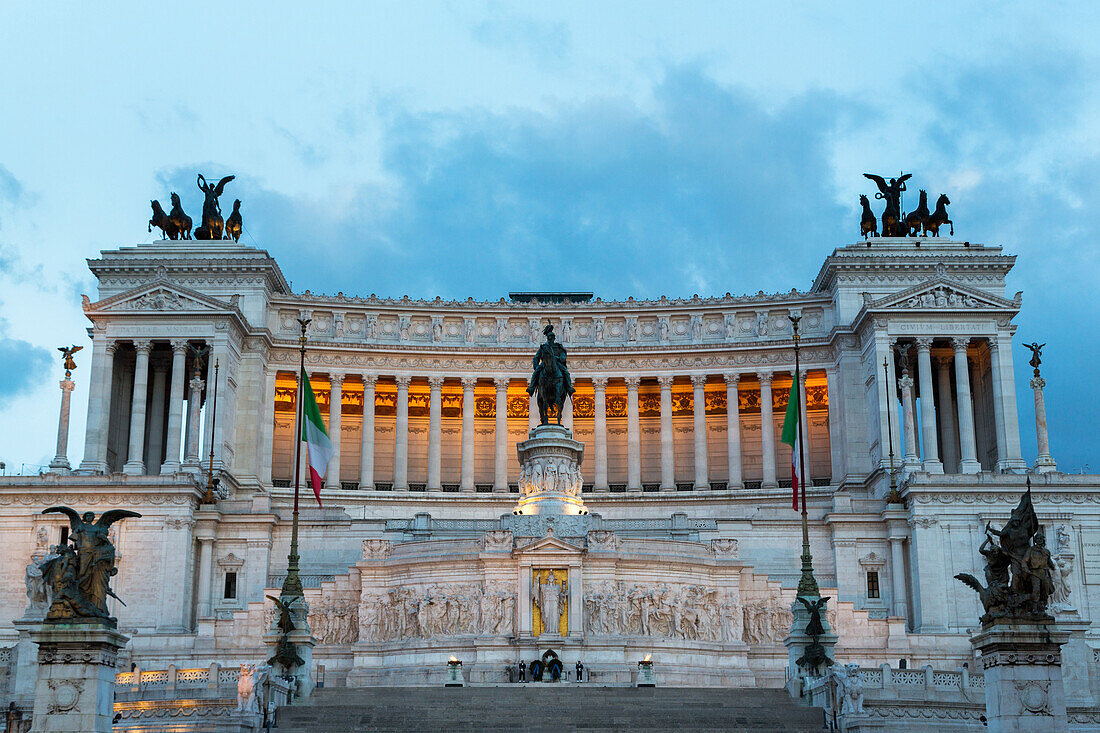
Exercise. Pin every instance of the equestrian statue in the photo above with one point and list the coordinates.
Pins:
(551, 378)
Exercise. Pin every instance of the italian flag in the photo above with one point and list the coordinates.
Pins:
(790, 437)
(315, 436)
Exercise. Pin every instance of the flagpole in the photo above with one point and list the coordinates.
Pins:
(892, 497)
(292, 585)
(807, 584)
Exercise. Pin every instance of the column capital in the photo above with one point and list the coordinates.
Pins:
(403, 381)
(802, 375)
(143, 345)
(924, 344)
(469, 382)
(906, 382)
(960, 344)
(993, 341)
(178, 344)
(501, 382)
(632, 382)
(1038, 383)
(942, 361)
(698, 380)
(67, 385)
(599, 382)
(196, 384)
(435, 381)
(369, 379)
(665, 382)
(731, 379)
(336, 379)
(111, 346)
(765, 378)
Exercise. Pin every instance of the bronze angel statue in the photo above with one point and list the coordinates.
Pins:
(67, 358)
(212, 222)
(892, 224)
(84, 577)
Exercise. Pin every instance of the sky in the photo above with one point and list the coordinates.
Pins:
(453, 148)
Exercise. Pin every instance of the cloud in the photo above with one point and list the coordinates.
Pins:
(23, 366)
(543, 41)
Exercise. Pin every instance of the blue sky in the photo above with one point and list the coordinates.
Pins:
(646, 148)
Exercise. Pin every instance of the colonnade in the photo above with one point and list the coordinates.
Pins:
(952, 404)
(704, 476)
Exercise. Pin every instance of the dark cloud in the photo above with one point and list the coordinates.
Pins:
(23, 366)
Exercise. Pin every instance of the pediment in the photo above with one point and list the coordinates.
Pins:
(549, 545)
(159, 296)
(941, 294)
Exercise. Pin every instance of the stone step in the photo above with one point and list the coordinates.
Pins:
(538, 707)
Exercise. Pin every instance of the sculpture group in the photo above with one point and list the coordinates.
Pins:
(77, 576)
(895, 223)
(1019, 570)
(176, 224)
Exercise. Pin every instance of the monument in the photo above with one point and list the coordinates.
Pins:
(78, 643)
(1020, 644)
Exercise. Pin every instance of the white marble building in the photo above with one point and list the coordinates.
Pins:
(691, 549)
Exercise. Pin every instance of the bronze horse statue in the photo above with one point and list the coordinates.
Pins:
(868, 224)
(212, 222)
(915, 220)
(939, 217)
(160, 220)
(234, 224)
(551, 378)
(179, 219)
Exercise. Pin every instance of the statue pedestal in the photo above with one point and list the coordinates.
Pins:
(550, 477)
(797, 642)
(1023, 676)
(75, 690)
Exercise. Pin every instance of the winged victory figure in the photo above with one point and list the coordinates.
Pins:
(67, 358)
(892, 225)
(212, 222)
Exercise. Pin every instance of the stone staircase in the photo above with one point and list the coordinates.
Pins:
(550, 708)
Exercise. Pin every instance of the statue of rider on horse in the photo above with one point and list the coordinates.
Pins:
(551, 378)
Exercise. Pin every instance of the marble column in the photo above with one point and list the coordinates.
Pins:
(60, 463)
(135, 466)
(932, 462)
(366, 437)
(668, 477)
(267, 426)
(897, 576)
(633, 436)
(733, 432)
(767, 430)
(158, 396)
(100, 388)
(837, 466)
(699, 430)
(194, 406)
(948, 435)
(468, 384)
(532, 412)
(401, 436)
(599, 388)
(500, 454)
(1044, 463)
(175, 407)
(206, 566)
(912, 458)
(1009, 457)
(435, 433)
(969, 462)
(804, 423)
(335, 413)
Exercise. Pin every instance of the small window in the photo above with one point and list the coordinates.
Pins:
(872, 584)
(64, 535)
(230, 585)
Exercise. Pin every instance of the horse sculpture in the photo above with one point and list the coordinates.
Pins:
(180, 220)
(212, 222)
(868, 224)
(550, 379)
(916, 220)
(160, 220)
(939, 217)
(234, 224)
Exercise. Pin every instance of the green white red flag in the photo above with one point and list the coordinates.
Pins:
(315, 436)
(790, 437)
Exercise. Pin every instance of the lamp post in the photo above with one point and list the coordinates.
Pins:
(893, 497)
(211, 487)
(807, 583)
